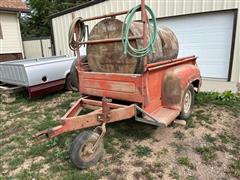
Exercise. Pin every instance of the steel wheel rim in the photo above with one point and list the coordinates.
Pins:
(187, 101)
(85, 151)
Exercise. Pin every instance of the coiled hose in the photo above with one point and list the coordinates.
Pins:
(77, 22)
(128, 48)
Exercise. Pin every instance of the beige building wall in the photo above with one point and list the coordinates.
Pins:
(46, 47)
(32, 49)
(162, 8)
(37, 48)
(12, 41)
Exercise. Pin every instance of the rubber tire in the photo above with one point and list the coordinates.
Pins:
(68, 85)
(184, 115)
(76, 145)
(74, 74)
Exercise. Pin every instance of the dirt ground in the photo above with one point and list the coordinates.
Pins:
(208, 147)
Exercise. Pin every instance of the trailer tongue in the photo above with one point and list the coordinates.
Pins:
(162, 92)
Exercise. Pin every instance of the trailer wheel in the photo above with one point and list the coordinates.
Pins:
(187, 103)
(81, 153)
(68, 85)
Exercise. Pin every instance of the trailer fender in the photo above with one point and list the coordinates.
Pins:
(175, 82)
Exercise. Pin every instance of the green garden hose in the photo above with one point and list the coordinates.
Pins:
(128, 48)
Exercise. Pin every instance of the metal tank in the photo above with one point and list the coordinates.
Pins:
(109, 57)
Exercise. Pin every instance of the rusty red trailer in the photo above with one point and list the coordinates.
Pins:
(158, 96)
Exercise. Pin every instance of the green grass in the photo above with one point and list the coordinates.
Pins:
(76, 174)
(36, 166)
(130, 130)
(174, 174)
(6, 148)
(209, 138)
(106, 172)
(185, 161)
(108, 145)
(179, 148)
(125, 145)
(203, 117)
(28, 175)
(18, 160)
(28, 116)
(207, 153)
(224, 138)
(190, 123)
(65, 105)
(56, 167)
(75, 94)
(147, 174)
(38, 150)
(191, 178)
(236, 148)
(234, 168)
(227, 99)
(179, 135)
(13, 108)
(142, 151)
(149, 170)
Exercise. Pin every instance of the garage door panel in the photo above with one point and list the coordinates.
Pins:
(208, 36)
(213, 44)
(217, 70)
(214, 19)
(222, 53)
(208, 56)
(206, 53)
(205, 37)
(216, 63)
(217, 29)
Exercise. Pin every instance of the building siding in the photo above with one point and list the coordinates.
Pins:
(46, 46)
(163, 8)
(37, 48)
(32, 49)
(12, 41)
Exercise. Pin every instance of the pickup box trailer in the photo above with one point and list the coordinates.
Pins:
(163, 92)
(39, 75)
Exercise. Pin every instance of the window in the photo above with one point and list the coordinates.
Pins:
(1, 34)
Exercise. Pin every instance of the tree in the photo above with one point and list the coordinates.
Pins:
(37, 23)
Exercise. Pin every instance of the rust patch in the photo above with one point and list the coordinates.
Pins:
(172, 91)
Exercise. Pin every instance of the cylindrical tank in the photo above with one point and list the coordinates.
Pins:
(109, 57)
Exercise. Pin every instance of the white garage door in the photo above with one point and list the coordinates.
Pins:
(208, 36)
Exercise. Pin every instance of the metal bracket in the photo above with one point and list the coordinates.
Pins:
(101, 130)
(105, 116)
(151, 121)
